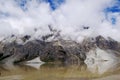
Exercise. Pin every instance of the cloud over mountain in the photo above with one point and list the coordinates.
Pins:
(69, 16)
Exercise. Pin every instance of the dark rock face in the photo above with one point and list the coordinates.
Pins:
(65, 51)
(25, 52)
(101, 43)
(56, 51)
(107, 44)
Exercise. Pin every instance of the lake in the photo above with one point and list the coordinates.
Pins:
(50, 71)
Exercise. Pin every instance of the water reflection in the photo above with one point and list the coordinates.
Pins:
(59, 71)
(101, 67)
(15, 77)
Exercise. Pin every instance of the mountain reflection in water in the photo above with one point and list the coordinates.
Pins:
(107, 70)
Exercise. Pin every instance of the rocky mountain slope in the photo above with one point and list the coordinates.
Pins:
(65, 51)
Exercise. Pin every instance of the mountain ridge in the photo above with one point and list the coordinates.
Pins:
(65, 51)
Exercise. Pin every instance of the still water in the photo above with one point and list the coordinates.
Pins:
(37, 71)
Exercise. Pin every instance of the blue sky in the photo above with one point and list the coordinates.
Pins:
(113, 9)
(103, 16)
(54, 4)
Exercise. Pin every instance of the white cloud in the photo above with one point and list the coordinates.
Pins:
(6, 29)
(68, 18)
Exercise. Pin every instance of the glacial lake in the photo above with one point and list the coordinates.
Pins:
(37, 71)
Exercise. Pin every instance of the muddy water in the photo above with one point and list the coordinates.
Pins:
(37, 71)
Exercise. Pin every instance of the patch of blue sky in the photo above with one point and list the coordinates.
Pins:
(22, 4)
(113, 20)
(115, 7)
(112, 9)
(54, 4)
